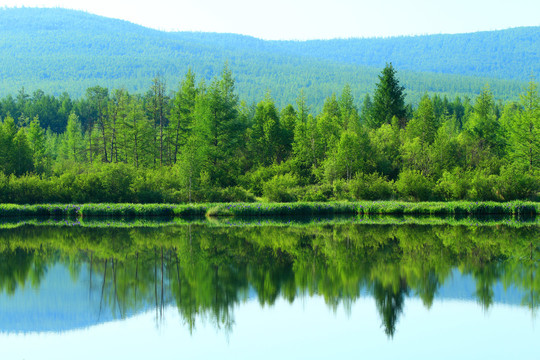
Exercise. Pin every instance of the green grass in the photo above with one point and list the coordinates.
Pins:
(516, 208)
(462, 208)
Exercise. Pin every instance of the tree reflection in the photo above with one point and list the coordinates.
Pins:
(206, 271)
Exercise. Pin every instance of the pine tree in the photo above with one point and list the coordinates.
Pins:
(388, 100)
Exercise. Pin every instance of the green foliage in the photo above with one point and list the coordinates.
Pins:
(454, 185)
(524, 129)
(351, 155)
(237, 194)
(280, 188)
(388, 99)
(204, 145)
(371, 187)
(36, 141)
(514, 184)
(424, 123)
(413, 185)
(317, 193)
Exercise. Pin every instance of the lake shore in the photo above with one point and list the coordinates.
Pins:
(514, 208)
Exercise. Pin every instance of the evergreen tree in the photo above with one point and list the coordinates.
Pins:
(350, 118)
(21, 154)
(483, 124)
(525, 130)
(365, 112)
(97, 99)
(158, 110)
(330, 124)
(423, 124)
(388, 100)
(8, 157)
(182, 113)
(265, 135)
(288, 120)
(73, 139)
(36, 141)
(219, 111)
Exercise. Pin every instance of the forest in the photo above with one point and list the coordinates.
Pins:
(201, 143)
(59, 50)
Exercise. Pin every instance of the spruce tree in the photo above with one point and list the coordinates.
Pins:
(388, 100)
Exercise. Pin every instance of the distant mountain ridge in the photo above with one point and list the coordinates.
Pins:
(66, 50)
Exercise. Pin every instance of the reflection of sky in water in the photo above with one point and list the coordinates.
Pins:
(306, 329)
(62, 320)
(60, 303)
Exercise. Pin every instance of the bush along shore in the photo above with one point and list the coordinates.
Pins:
(516, 208)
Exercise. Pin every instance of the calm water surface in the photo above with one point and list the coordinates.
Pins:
(313, 291)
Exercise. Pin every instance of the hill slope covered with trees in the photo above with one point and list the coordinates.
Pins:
(59, 50)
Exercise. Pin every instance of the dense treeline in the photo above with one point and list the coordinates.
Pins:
(59, 50)
(202, 144)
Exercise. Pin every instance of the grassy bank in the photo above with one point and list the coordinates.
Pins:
(516, 208)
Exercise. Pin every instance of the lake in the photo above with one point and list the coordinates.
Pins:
(381, 288)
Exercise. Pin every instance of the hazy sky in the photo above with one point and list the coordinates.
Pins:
(312, 19)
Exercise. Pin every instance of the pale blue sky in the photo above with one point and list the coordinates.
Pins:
(312, 19)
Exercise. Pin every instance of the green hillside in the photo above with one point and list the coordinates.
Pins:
(59, 50)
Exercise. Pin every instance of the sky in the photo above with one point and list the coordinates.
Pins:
(311, 19)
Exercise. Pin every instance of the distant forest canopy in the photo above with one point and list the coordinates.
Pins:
(58, 50)
(203, 144)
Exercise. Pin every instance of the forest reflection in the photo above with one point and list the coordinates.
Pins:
(207, 271)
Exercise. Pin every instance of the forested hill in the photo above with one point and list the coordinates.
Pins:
(503, 54)
(59, 50)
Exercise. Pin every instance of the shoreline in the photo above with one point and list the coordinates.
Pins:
(465, 208)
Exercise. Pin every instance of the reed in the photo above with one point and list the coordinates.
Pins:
(461, 208)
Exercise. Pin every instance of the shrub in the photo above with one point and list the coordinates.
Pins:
(482, 187)
(116, 180)
(371, 187)
(146, 188)
(280, 188)
(341, 190)
(453, 185)
(515, 184)
(236, 194)
(413, 185)
(317, 193)
(28, 189)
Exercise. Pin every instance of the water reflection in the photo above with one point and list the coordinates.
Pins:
(98, 274)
